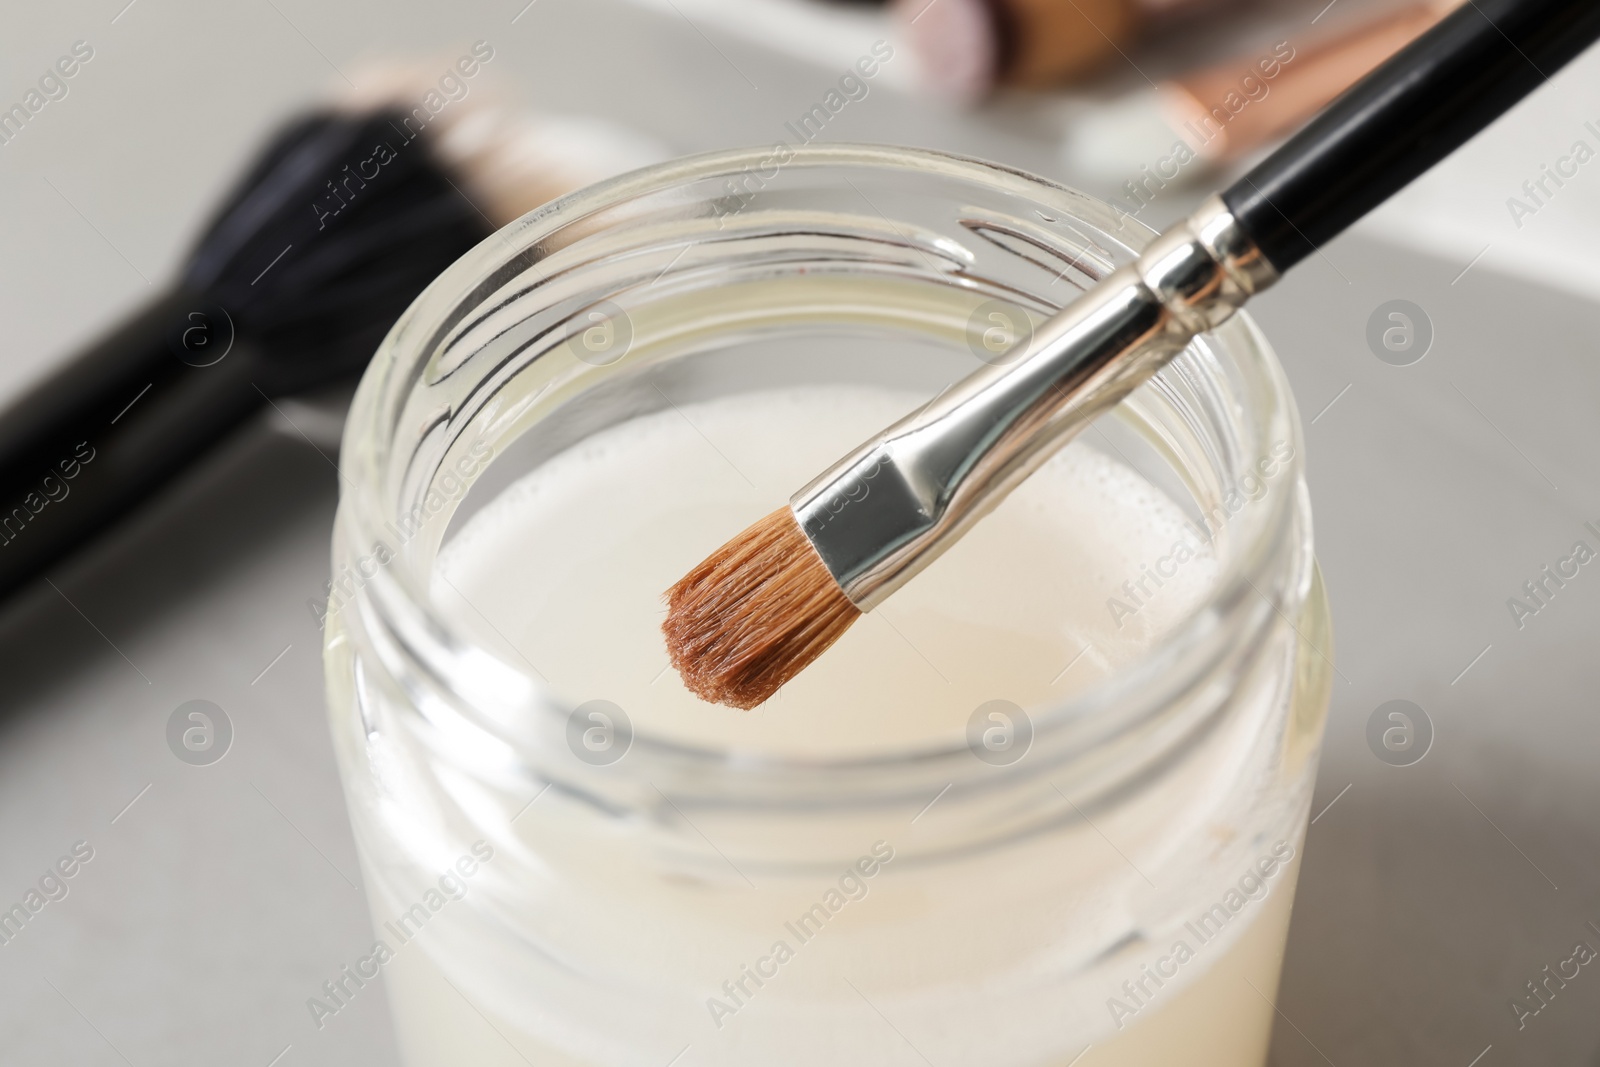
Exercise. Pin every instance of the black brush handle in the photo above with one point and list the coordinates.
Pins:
(337, 227)
(1396, 123)
(89, 442)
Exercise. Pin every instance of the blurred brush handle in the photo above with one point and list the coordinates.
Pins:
(1167, 9)
(1218, 107)
(92, 440)
(1425, 102)
(1046, 42)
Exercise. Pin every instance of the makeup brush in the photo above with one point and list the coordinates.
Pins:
(342, 220)
(769, 602)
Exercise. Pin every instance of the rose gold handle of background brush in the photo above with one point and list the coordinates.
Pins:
(1213, 107)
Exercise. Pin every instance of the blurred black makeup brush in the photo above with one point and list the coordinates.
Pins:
(341, 222)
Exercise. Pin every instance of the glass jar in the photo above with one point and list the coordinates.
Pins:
(637, 899)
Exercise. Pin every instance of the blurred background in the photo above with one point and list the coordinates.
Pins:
(1451, 463)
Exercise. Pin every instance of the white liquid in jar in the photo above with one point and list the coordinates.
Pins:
(568, 567)
(570, 564)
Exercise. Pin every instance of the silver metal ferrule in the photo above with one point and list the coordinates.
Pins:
(891, 507)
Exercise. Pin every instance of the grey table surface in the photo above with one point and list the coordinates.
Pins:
(218, 898)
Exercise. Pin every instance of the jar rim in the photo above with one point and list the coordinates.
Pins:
(397, 601)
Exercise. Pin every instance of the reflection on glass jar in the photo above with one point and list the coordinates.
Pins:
(1048, 799)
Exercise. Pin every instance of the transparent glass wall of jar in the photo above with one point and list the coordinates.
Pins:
(1122, 887)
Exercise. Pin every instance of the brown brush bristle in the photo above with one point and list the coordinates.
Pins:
(754, 614)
